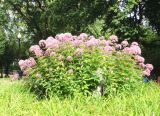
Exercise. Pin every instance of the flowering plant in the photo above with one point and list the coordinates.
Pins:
(67, 64)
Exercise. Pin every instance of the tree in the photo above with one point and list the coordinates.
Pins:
(2, 41)
(10, 26)
(37, 19)
(49, 17)
(2, 47)
(152, 12)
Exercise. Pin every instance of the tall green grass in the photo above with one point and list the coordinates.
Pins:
(15, 100)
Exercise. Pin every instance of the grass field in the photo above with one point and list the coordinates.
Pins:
(15, 100)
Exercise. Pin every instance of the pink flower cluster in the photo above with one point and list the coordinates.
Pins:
(124, 43)
(64, 37)
(108, 49)
(134, 49)
(50, 46)
(36, 50)
(92, 41)
(69, 58)
(83, 36)
(139, 59)
(146, 67)
(113, 38)
(79, 51)
(46, 47)
(15, 76)
(50, 42)
(24, 64)
(61, 57)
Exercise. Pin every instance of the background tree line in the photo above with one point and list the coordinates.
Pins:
(135, 20)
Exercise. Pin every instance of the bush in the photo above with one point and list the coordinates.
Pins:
(67, 65)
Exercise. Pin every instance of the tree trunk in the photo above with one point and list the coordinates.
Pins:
(1, 72)
(6, 71)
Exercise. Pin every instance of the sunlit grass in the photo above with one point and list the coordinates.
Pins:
(15, 100)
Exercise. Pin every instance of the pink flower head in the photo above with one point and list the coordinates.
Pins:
(53, 54)
(48, 51)
(36, 50)
(124, 43)
(118, 46)
(52, 43)
(146, 72)
(60, 37)
(134, 50)
(79, 52)
(77, 42)
(91, 37)
(126, 50)
(108, 49)
(21, 63)
(64, 37)
(113, 38)
(69, 58)
(24, 64)
(92, 42)
(108, 42)
(61, 58)
(74, 38)
(30, 62)
(142, 65)
(83, 36)
(103, 42)
(39, 53)
(149, 66)
(139, 59)
(42, 44)
(68, 35)
(134, 44)
(15, 76)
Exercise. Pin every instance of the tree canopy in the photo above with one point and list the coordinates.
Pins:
(37, 19)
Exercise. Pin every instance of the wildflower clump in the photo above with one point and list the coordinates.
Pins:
(65, 65)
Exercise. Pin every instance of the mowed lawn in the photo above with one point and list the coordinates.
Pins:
(15, 100)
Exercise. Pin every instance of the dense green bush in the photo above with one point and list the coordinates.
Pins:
(94, 65)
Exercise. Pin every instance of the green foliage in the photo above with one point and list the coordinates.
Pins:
(11, 47)
(41, 18)
(119, 21)
(44, 18)
(150, 7)
(96, 28)
(51, 76)
(2, 41)
(149, 34)
(49, 17)
(121, 73)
